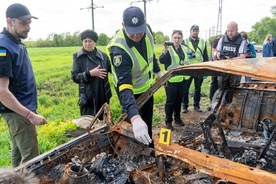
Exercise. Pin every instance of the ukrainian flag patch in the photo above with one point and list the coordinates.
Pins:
(3, 52)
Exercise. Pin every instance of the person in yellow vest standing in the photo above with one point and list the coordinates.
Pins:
(133, 64)
(173, 56)
(197, 52)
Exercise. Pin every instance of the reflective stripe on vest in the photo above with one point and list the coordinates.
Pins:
(198, 52)
(142, 77)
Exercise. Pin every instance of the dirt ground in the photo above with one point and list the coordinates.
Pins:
(191, 120)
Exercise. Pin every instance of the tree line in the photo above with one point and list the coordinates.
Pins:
(260, 29)
(68, 40)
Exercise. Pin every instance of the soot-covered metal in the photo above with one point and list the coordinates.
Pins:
(235, 144)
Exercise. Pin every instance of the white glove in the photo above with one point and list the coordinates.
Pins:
(159, 74)
(140, 130)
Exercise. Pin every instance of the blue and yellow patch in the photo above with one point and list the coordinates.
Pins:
(117, 60)
(3, 52)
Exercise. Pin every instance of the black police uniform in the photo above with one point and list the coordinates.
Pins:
(123, 72)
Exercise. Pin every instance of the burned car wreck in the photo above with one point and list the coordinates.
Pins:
(237, 142)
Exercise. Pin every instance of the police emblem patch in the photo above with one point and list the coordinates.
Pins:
(117, 60)
(134, 20)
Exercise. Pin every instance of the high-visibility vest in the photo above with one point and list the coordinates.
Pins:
(142, 76)
(175, 62)
(198, 51)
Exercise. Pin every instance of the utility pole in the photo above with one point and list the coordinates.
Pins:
(145, 6)
(92, 7)
(219, 23)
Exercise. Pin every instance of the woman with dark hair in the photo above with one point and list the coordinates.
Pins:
(173, 56)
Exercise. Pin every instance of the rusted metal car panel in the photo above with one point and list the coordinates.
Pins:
(236, 145)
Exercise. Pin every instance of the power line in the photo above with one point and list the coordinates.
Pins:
(219, 23)
(145, 6)
(92, 6)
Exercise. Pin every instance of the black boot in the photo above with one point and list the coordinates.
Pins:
(169, 126)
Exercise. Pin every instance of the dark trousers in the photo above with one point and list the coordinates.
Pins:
(24, 146)
(197, 83)
(92, 109)
(174, 93)
(213, 87)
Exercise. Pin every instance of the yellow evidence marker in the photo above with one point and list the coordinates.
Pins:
(165, 136)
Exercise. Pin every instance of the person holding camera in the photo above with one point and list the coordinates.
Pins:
(90, 70)
(133, 64)
(173, 56)
(230, 47)
(197, 52)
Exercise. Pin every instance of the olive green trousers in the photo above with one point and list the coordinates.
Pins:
(23, 135)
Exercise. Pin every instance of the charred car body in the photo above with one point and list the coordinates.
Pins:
(236, 143)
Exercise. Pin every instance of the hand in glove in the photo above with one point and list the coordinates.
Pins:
(140, 130)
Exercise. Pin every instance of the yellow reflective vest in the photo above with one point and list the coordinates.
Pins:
(142, 77)
(175, 62)
(198, 51)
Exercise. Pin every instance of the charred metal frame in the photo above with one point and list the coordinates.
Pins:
(113, 138)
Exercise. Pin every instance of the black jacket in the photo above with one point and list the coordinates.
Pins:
(96, 89)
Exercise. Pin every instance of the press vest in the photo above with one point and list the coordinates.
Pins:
(175, 62)
(142, 77)
(26, 92)
(198, 51)
(231, 47)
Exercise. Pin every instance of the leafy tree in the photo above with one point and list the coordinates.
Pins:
(103, 39)
(273, 10)
(260, 29)
(160, 38)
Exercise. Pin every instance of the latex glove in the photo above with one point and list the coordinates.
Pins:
(159, 74)
(140, 130)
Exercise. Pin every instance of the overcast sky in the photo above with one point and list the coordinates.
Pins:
(58, 16)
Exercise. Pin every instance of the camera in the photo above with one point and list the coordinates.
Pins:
(191, 55)
(223, 54)
(168, 43)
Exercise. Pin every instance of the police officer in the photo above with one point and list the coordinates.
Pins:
(197, 52)
(174, 56)
(231, 46)
(133, 63)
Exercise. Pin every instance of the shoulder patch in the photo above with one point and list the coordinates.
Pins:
(3, 52)
(117, 60)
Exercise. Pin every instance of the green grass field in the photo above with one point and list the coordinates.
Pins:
(58, 96)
